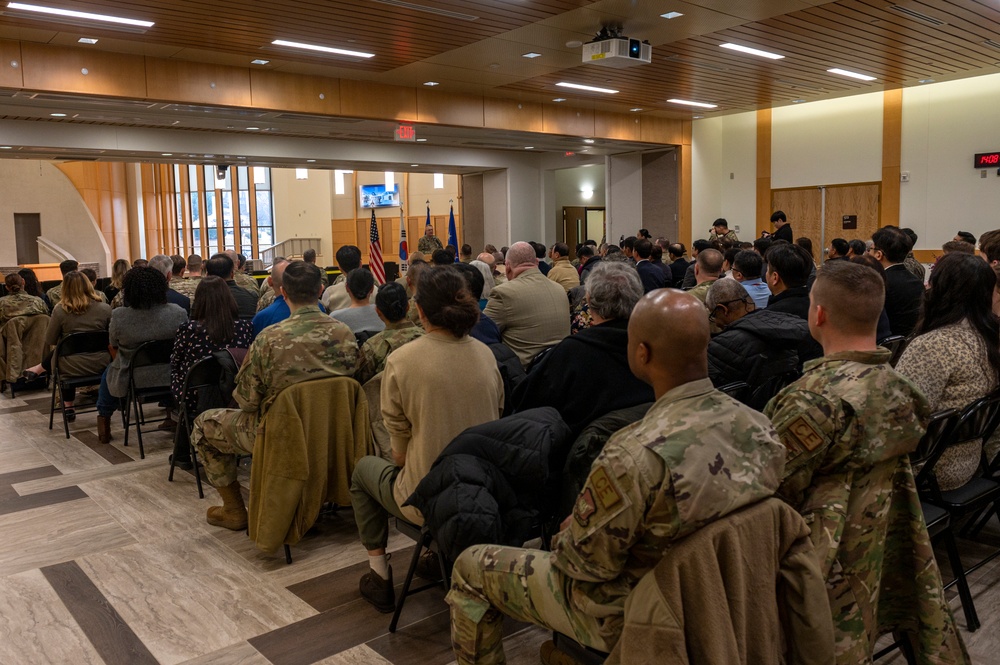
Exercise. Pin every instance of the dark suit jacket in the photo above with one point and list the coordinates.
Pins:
(678, 268)
(651, 276)
(784, 233)
(796, 301)
(179, 299)
(245, 301)
(903, 294)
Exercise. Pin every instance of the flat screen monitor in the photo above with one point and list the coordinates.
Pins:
(377, 196)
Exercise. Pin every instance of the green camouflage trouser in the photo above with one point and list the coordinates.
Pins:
(489, 581)
(219, 435)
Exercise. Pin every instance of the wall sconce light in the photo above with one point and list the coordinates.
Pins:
(587, 192)
(301, 174)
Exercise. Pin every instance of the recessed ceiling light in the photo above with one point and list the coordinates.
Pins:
(588, 88)
(685, 102)
(58, 115)
(6, 147)
(588, 140)
(413, 166)
(635, 109)
(798, 101)
(166, 154)
(850, 74)
(87, 40)
(310, 160)
(87, 16)
(751, 51)
(431, 83)
(529, 147)
(322, 49)
(697, 117)
(926, 81)
(421, 140)
(559, 99)
(532, 55)
(253, 129)
(258, 61)
(671, 15)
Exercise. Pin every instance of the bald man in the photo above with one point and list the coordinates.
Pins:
(278, 310)
(531, 311)
(696, 456)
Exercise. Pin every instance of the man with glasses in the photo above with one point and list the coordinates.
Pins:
(747, 270)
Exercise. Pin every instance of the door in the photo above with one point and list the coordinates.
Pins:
(27, 228)
(804, 209)
(595, 225)
(574, 225)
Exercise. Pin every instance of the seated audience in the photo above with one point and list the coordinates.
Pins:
(215, 325)
(959, 246)
(335, 297)
(911, 263)
(882, 331)
(955, 357)
(540, 252)
(422, 421)
(165, 265)
(531, 311)
(53, 294)
(465, 254)
(656, 258)
(486, 330)
(587, 375)
(755, 344)
(244, 280)
(91, 274)
(307, 345)
(391, 304)
(965, 236)
(707, 269)
(309, 256)
(442, 257)
(361, 316)
(186, 286)
(118, 270)
(848, 426)
(839, 249)
(220, 265)
(147, 316)
(589, 259)
(562, 271)
(678, 264)
(788, 268)
(17, 302)
(856, 248)
(628, 248)
(688, 281)
(649, 274)
(79, 310)
(904, 290)
(32, 286)
(412, 279)
(748, 269)
(274, 306)
(487, 272)
(695, 457)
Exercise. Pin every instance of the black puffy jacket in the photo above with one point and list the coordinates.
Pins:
(759, 345)
(495, 483)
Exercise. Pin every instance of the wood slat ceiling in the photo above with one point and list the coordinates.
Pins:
(483, 56)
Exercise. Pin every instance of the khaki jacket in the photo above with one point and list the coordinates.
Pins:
(22, 343)
(703, 604)
(306, 448)
(532, 313)
(564, 274)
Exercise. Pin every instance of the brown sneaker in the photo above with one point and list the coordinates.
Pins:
(550, 655)
(428, 567)
(380, 593)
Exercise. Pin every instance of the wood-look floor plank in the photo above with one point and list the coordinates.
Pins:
(105, 450)
(341, 586)
(16, 504)
(111, 636)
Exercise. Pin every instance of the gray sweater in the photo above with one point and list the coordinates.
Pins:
(128, 330)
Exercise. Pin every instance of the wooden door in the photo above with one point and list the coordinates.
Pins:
(27, 229)
(574, 223)
(804, 208)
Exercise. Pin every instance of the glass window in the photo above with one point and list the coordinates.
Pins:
(211, 223)
(265, 220)
(229, 237)
(262, 178)
(241, 178)
(193, 178)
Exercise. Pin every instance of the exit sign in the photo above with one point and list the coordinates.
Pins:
(406, 133)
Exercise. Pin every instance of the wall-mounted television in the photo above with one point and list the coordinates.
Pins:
(377, 196)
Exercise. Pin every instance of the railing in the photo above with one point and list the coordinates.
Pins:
(293, 248)
(55, 253)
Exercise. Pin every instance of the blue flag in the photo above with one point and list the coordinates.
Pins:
(452, 235)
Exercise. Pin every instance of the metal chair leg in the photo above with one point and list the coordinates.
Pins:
(52, 406)
(288, 555)
(958, 570)
(197, 472)
(417, 551)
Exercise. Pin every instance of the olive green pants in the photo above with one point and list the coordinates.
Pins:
(372, 499)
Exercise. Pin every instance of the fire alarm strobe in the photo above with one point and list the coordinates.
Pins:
(612, 49)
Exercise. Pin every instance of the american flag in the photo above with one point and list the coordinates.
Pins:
(375, 253)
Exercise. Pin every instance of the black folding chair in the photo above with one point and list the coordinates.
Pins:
(896, 344)
(73, 344)
(738, 390)
(424, 540)
(204, 375)
(762, 393)
(149, 354)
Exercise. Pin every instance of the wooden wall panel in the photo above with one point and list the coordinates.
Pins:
(196, 82)
(60, 68)
(568, 121)
(104, 190)
(355, 232)
(512, 114)
(892, 139)
(664, 130)
(10, 77)
(803, 208)
(684, 175)
(447, 108)
(862, 200)
(294, 92)
(764, 208)
(617, 126)
(364, 99)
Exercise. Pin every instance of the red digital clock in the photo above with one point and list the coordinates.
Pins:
(986, 160)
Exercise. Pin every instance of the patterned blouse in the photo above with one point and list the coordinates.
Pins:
(951, 368)
(192, 344)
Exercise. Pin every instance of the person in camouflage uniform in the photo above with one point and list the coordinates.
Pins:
(186, 286)
(17, 302)
(308, 345)
(848, 425)
(241, 278)
(695, 457)
(391, 304)
(720, 231)
(55, 293)
(429, 242)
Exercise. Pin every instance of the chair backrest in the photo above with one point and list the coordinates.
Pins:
(896, 344)
(204, 381)
(979, 419)
(738, 390)
(933, 443)
(155, 352)
(760, 395)
(86, 341)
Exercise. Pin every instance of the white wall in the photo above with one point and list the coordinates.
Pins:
(724, 173)
(569, 186)
(944, 125)
(302, 208)
(32, 186)
(624, 195)
(827, 143)
(496, 211)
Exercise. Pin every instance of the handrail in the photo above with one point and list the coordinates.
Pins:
(55, 250)
(293, 248)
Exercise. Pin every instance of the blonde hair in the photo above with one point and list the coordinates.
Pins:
(77, 293)
(118, 270)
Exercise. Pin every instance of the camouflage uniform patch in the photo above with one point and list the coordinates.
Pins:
(375, 350)
(21, 304)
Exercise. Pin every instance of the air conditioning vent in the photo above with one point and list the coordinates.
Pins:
(917, 15)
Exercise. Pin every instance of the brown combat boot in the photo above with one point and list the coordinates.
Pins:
(550, 655)
(103, 429)
(232, 514)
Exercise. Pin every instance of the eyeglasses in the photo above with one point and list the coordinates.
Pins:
(727, 303)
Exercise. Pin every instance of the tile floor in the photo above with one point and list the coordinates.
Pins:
(102, 560)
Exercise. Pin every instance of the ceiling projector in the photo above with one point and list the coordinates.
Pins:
(612, 49)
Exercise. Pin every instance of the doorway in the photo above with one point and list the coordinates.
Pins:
(580, 223)
(851, 211)
(27, 229)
